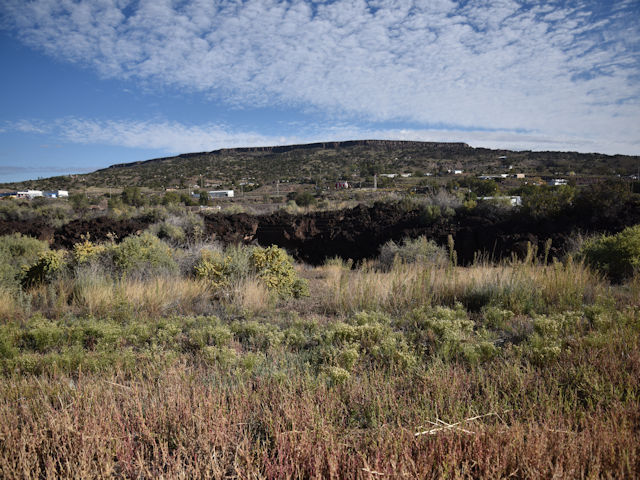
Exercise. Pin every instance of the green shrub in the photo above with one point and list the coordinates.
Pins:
(50, 263)
(419, 250)
(169, 231)
(549, 334)
(429, 214)
(368, 338)
(275, 268)
(215, 268)
(448, 333)
(617, 256)
(495, 317)
(17, 250)
(303, 198)
(143, 253)
(86, 252)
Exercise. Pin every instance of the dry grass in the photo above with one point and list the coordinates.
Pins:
(163, 295)
(200, 423)
(10, 308)
(522, 287)
(251, 296)
(98, 295)
(249, 393)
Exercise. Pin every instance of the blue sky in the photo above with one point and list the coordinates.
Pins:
(86, 84)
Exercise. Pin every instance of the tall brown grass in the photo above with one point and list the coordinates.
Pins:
(251, 296)
(523, 287)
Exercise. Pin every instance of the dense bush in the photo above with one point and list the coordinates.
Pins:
(272, 266)
(448, 333)
(617, 256)
(143, 253)
(548, 202)
(17, 250)
(50, 263)
(275, 268)
(419, 250)
(215, 268)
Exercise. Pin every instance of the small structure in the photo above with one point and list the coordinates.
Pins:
(519, 175)
(492, 177)
(29, 194)
(56, 194)
(514, 200)
(342, 184)
(556, 182)
(389, 175)
(221, 194)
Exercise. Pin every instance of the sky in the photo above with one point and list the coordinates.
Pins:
(87, 84)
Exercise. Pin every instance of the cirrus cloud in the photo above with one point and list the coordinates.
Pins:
(167, 137)
(563, 70)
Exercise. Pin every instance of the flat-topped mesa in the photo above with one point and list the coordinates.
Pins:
(344, 144)
(447, 146)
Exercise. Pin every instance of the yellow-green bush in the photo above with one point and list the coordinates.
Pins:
(275, 268)
(49, 264)
(143, 253)
(215, 268)
(86, 251)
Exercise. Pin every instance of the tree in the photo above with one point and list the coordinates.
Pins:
(79, 201)
(303, 198)
(171, 198)
(204, 197)
(133, 196)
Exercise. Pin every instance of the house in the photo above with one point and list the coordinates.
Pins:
(514, 200)
(492, 177)
(29, 194)
(389, 175)
(557, 182)
(342, 184)
(519, 175)
(221, 194)
(56, 194)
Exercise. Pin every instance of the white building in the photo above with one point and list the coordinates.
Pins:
(57, 194)
(514, 200)
(29, 194)
(557, 182)
(221, 194)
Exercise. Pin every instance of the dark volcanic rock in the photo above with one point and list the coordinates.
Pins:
(358, 233)
(99, 230)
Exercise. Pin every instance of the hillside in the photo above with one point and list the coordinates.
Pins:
(331, 161)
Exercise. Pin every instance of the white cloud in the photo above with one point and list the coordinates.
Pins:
(174, 138)
(561, 70)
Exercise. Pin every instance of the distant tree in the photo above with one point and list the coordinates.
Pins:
(79, 201)
(187, 200)
(303, 198)
(546, 201)
(204, 197)
(133, 196)
(171, 198)
(482, 188)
